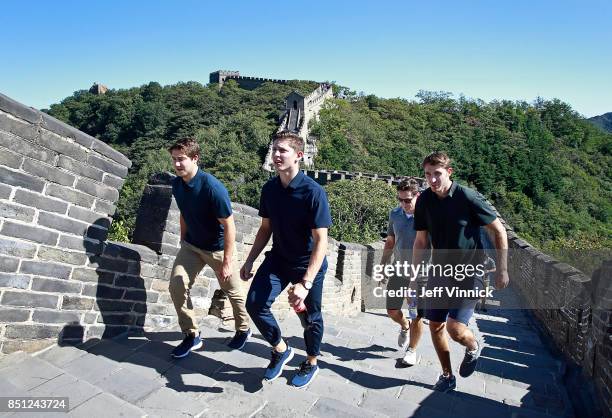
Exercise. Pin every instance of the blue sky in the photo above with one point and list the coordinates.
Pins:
(483, 49)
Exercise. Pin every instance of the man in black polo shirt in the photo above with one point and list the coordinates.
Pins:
(208, 237)
(452, 215)
(295, 211)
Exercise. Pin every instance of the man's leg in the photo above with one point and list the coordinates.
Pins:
(313, 333)
(440, 342)
(187, 265)
(416, 332)
(265, 288)
(459, 331)
(234, 289)
(394, 310)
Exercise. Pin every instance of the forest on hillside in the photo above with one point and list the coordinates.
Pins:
(545, 168)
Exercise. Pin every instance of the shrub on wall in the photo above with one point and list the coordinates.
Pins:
(360, 209)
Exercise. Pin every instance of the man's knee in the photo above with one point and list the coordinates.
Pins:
(392, 313)
(436, 327)
(455, 329)
(176, 285)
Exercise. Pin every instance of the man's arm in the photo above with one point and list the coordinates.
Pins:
(229, 235)
(419, 247)
(261, 240)
(388, 249)
(183, 226)
(497, 230)
(319, 236)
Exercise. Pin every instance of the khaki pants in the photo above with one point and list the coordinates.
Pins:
(189, 261)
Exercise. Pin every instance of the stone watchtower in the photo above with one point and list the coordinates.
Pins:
(220, 76)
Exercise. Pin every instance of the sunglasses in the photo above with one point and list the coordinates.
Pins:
(408, 200)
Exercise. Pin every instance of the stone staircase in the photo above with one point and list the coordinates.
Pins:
(360, 377)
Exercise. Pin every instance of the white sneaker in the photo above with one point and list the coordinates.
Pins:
(402, 338)
(410, 358)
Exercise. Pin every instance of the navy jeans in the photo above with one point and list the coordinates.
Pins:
(271, 278)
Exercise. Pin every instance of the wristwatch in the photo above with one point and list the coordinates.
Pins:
(307, 284)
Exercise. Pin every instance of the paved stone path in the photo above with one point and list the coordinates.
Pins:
(360, 377)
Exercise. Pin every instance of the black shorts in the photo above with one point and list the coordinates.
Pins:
(396, 302)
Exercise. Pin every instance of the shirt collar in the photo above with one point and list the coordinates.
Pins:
(296, 181)
(195, 180)
(452, 189)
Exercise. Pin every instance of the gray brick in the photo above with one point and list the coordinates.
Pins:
(48, 172)
(28, 149)
(80, 243)
(29, 299)
(63, 129)
(16, 212)
(32, 233)
(62, 145)
(32, 331)
(70, 195)
(104, 305)
(77, 303)
(104, 292)
(17, 127)
(91, 275)
(113, 181)
(43, 268)
(141, 296)
(5, 191)
(16, 281)
(15, 178)
(8, 264)
(54, 317)
(111, 264)
(10, 159)
(14, 315)
(61, 223)
(19, 110)
(97, 189)
(103, 206)
(62, 256)
(55, 286)
(135, 282)
(39, 201)
(122, 318)
(111, 405)
(17, 248)
(106, 150)
(80, 168)
(107, 166)
(89, 216)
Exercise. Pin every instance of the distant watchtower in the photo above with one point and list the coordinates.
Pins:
(220, 76)
(98, 88)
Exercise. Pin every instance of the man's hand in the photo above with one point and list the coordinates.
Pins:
(226, 271)
(501, 279)
(297, 294)
(246, 272)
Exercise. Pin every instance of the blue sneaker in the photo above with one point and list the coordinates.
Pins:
(190, 343)
(445, 383)
(277, 362)
(304, 375)
(470, 360)
(240, 339)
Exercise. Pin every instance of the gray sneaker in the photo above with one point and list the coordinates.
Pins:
(445, 383)
(470, 360)
(402, 338)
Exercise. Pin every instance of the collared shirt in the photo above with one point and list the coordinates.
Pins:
(453, 222)
(401, 227)
(202, 201)
(293, 212)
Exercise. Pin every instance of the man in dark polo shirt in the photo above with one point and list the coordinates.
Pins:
(452, 214)
(295, 212)
(208, 237)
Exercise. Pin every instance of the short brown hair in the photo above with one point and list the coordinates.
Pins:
(407, 184)
(295, 141)
(437, 158)
(189, 146)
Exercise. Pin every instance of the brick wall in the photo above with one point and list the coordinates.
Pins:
(573, 310)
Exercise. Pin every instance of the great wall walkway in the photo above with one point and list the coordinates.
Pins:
(516, 377)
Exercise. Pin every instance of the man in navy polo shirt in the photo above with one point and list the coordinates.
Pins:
(208, 237)
(452, 215)
(295, 211)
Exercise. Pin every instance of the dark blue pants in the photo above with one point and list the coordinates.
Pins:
(271, 278)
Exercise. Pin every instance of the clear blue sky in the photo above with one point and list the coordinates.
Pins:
(483, 49)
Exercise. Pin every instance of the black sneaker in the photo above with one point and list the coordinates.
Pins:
(445, 383)
(190, 343)
(470, 360)
(240, 339)
(277, 362)
(304, 375)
